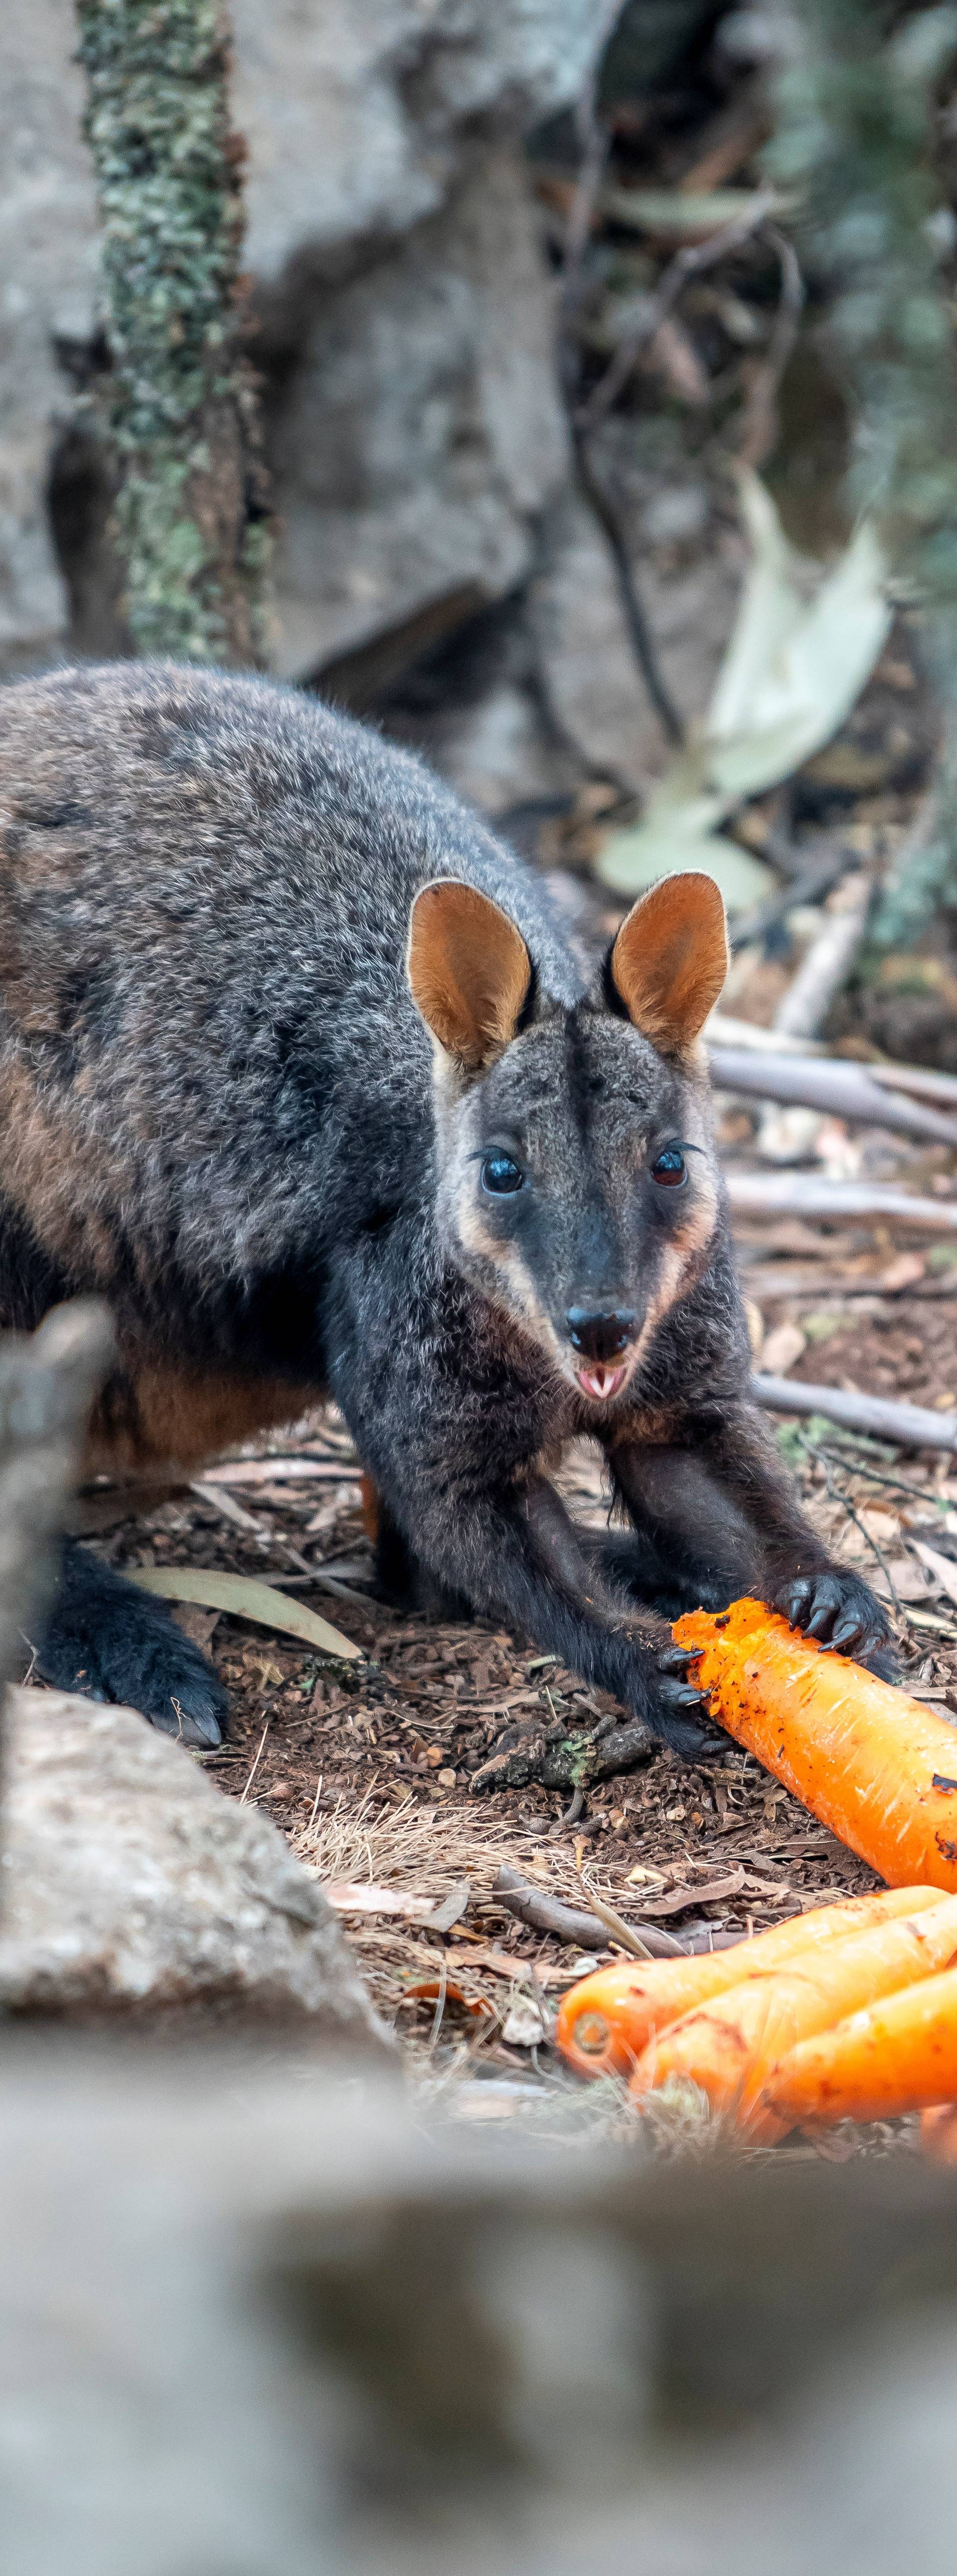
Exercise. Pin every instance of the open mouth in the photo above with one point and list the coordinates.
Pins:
(601, 1379)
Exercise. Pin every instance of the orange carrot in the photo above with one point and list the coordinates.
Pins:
(606, 2021)
(938, 2133)
(879, 1768)
(900, 2055)
(729, 2046)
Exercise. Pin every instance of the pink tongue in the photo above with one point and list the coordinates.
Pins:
(600, 1381)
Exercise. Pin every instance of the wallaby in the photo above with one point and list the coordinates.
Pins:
(297, 1071)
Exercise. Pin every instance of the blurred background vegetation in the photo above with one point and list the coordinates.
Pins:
(525, 286)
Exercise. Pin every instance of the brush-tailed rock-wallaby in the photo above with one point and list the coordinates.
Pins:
(298, 1072)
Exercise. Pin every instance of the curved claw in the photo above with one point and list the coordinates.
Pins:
(675, 1659)
(837, 1610)
(678, 1694)
(795, 1597)
(850, 1631)
(692, 1743)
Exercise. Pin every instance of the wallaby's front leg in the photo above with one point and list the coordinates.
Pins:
(517, 1555)
(722, 1515)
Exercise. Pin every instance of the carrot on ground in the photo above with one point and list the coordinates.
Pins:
(879, 1768)
(898, 2055)
(607, 2020)
(938, 2133)
(729, 2046)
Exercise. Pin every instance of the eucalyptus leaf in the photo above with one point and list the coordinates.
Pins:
(690, 217)
(245, 1597)
(794, 667)
(632, 860)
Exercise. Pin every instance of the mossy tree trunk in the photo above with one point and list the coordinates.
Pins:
(191, 512)
(858, 135)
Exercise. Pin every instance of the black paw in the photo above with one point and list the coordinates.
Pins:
(839, 1610)
(108, 1640)
(676, 1708)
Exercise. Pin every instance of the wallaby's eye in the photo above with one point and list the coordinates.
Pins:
(670, 1169)
(501, 1176)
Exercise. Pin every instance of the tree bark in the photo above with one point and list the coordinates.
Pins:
(191, 514)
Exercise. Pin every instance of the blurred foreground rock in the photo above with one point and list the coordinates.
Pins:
(48, 1381)
(132, 1886)
(249, 2325)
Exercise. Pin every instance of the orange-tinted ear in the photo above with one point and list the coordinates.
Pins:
(670, 959)
(469, 971)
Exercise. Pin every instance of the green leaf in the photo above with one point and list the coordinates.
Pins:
(631, 860)
(244, 1597)
(793, 670)
(666, 210)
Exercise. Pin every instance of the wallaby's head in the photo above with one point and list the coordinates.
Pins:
(576, 1175)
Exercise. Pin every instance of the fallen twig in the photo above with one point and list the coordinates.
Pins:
(722, 1029)
(545, 1913)
(562, 1755)
(828, 962)
(759, 426)
(775, 1194)
(843, 1089)
(807, 885)
(913, 1426)
(595, 153)
(687, 263)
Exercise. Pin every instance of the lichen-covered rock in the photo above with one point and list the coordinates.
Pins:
(131, 1886)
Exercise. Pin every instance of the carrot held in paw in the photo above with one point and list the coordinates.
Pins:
(729, 2046)
(899, 2055)
(607, 2020)
(878, 1768)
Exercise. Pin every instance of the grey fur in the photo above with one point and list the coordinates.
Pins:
(221, 1109)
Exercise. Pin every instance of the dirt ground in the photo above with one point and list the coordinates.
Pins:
(371, 1778)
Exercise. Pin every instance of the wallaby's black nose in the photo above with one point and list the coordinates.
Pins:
(600, 1336)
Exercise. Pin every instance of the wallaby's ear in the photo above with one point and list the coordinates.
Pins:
(469, 971)
(670, 959)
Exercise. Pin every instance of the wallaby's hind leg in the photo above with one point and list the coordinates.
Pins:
(108, 1640)
(635, 1570)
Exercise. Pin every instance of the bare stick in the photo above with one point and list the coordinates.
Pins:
(632, 606)
(806, 886)
(785, 1194)
(843, 1089)
(760, 413)
(595, 144)
(686, 263)
(913, 1426)
(545, 1913)
(922, 1080)
(828, 962)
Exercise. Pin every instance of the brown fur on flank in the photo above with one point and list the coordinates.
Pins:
(298, 1070)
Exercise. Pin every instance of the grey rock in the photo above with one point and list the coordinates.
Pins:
(48, 265)
(353, 112)
(405, 306)
(589, 674)
(253, 2320)
(131, 1886)
(422, 439)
